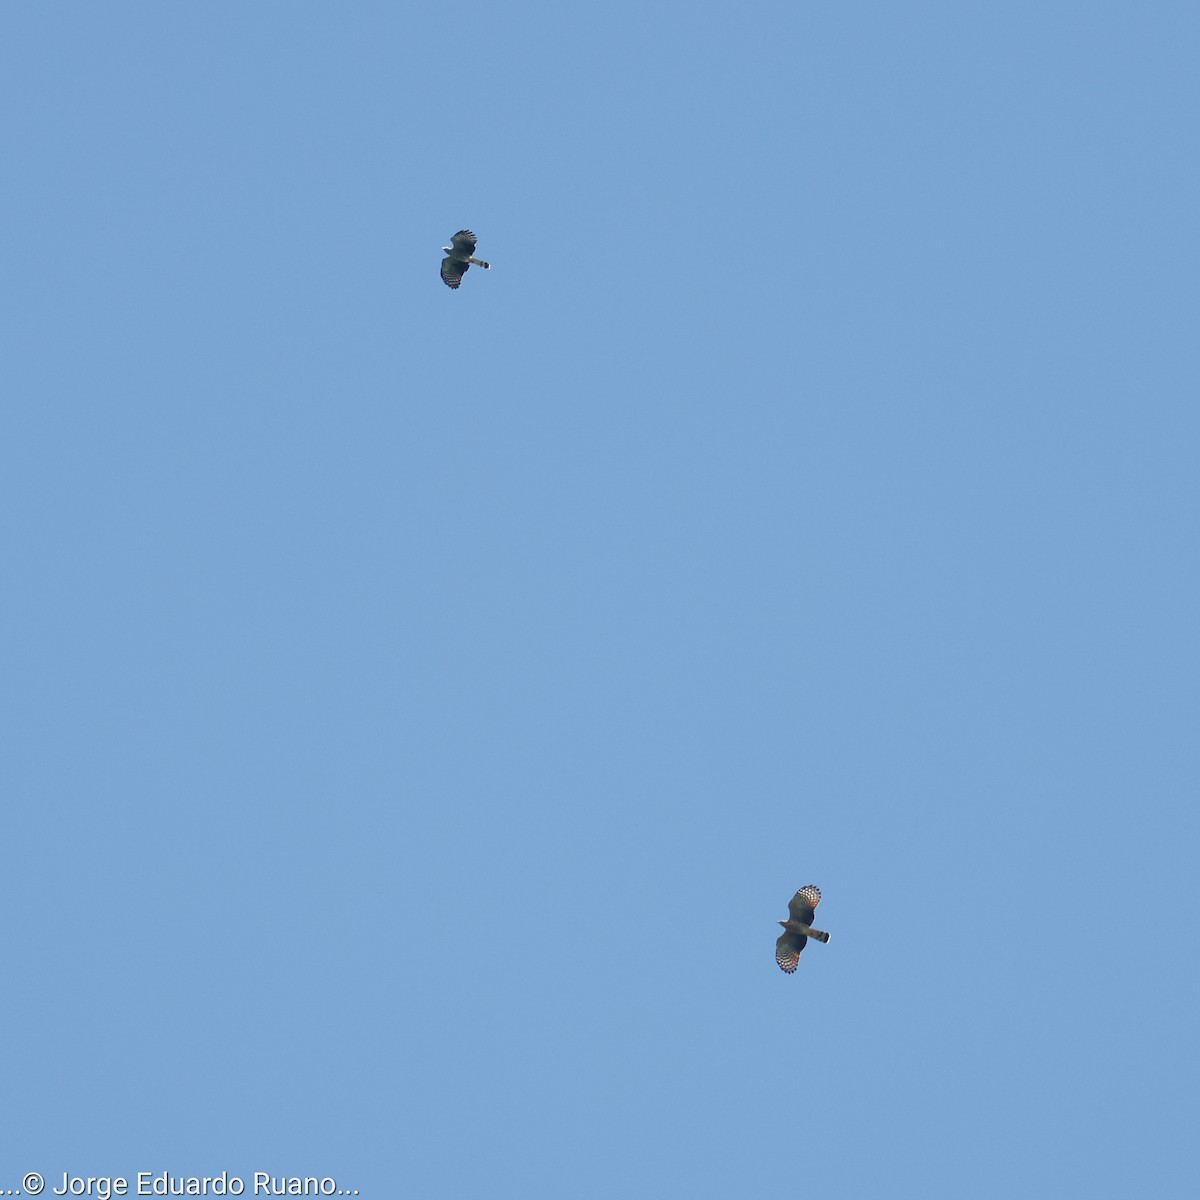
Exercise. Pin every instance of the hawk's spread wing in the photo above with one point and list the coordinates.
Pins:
(464, 243)
(787, 950)
(803, 906)
(452, 272)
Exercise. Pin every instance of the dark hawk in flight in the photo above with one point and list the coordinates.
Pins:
(459, 258)
(797, 929)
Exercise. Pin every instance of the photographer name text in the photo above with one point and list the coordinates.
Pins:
(163, 1183)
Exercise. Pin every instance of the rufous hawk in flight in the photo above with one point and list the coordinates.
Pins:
(459, 256)
(797, 929)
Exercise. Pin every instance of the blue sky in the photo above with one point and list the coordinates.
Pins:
(419, 705)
